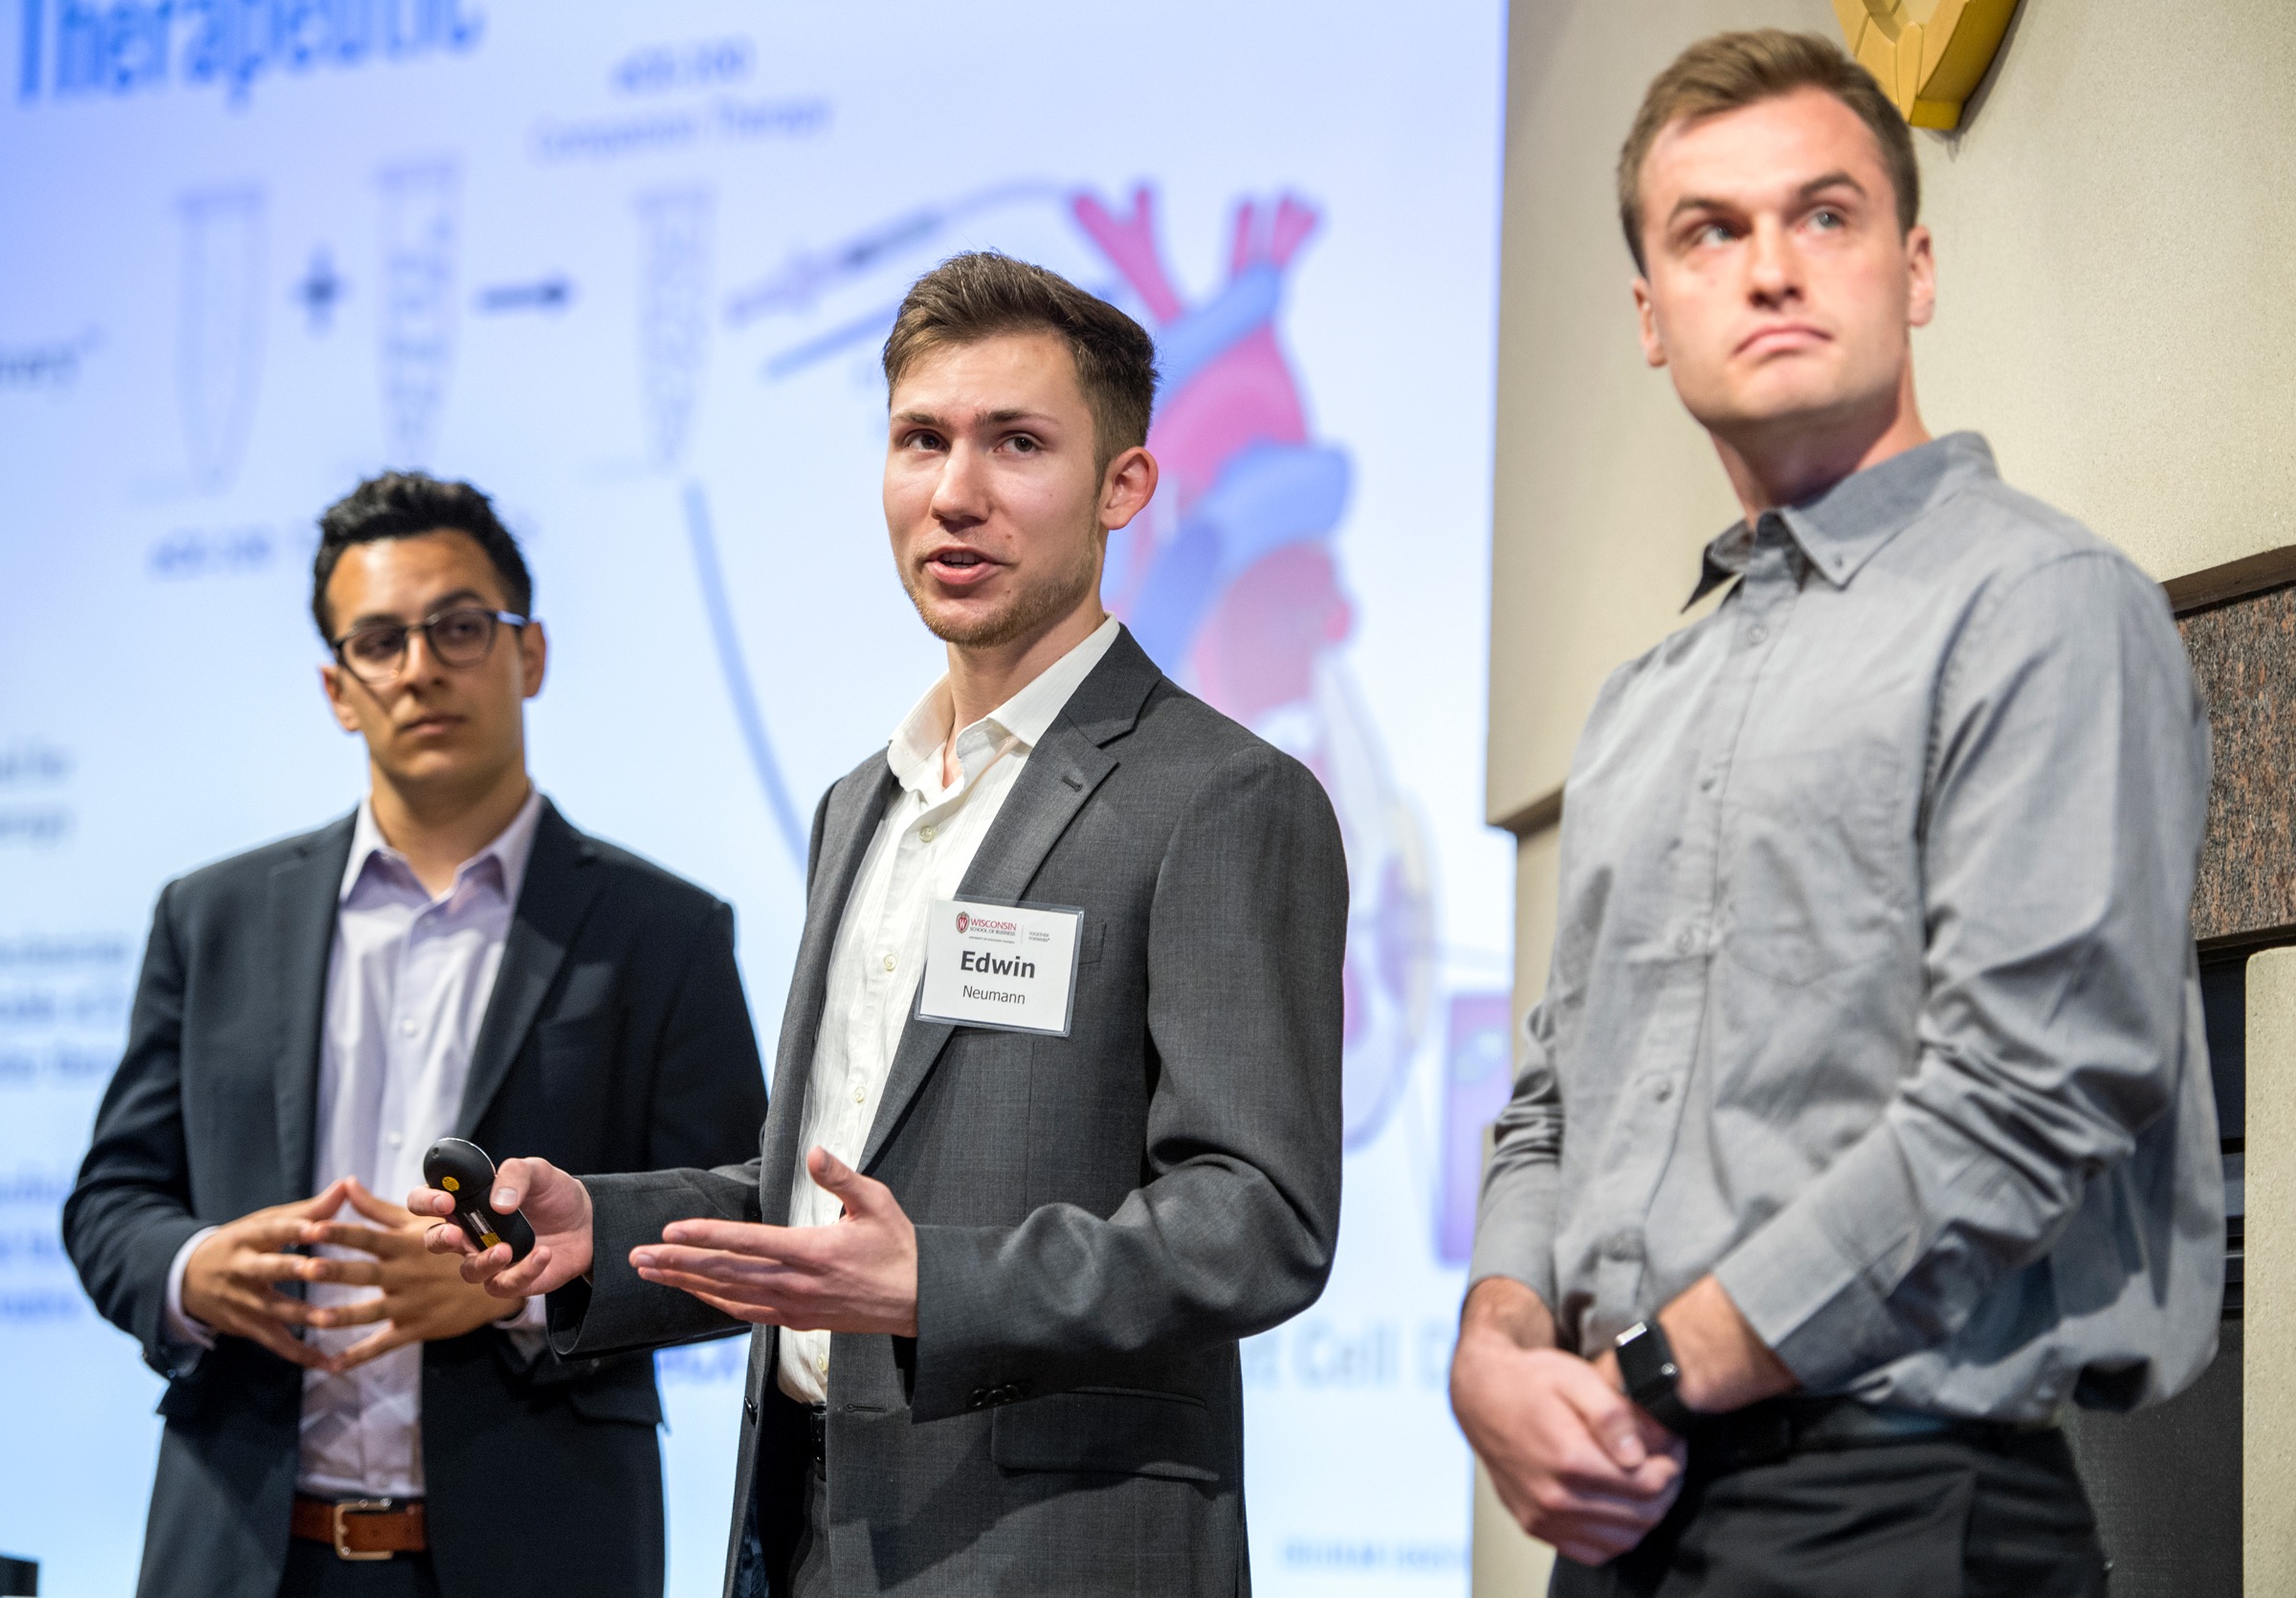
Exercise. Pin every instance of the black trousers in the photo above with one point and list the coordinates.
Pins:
(314, 1571)
(1925, 1518)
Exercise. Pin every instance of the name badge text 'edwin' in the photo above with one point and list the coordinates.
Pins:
(1011, 966)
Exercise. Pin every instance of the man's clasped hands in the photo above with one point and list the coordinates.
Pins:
(236, 1281)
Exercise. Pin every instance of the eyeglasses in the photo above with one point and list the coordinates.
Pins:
(375, 651)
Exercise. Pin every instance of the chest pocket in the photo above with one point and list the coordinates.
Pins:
(1817, 863)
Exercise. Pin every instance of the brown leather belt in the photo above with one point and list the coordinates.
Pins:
(361, 1528)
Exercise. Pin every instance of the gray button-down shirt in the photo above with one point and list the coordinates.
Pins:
(1874, 989)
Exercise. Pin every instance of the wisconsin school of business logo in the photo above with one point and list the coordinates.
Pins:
(963, 920)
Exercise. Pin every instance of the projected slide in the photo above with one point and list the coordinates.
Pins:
(629, 270)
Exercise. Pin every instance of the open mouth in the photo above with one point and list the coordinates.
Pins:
(958, 567)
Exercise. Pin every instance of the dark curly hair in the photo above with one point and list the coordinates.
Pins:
(406, 505)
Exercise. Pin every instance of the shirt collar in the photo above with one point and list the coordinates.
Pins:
(914, 750)
(1843, 527)
(511, 849)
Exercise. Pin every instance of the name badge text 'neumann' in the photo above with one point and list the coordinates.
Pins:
(1010, 966)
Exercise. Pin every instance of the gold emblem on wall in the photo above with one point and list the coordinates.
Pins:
(1928, 63)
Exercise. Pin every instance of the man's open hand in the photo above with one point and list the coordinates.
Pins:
(232, 1280)
(857, 1274)
(423, 1297)
(554, 1204)
(1576, 1462)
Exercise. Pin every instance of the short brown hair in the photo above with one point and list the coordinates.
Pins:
(1730, 71)
(982, 294)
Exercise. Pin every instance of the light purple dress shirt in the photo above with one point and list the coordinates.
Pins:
(408, 984)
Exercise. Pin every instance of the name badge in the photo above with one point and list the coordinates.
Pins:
(1010, 966)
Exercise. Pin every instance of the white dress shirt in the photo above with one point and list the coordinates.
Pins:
(408, 984)
(922, 850)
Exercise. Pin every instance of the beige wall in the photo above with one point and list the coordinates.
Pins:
(2269, 1283)
(2116, 230)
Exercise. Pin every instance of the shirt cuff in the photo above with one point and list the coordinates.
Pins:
(528, 1329)
(181, 1327)
(528, 1317)
(1813, 1281)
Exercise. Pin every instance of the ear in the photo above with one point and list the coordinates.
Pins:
(533, 657)
(1921, 276)
(1646, 317)
(1127, 487)
(337, 684)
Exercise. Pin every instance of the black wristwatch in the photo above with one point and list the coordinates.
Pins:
(1647, 1365)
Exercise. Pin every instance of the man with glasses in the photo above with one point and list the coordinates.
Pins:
(452, 958)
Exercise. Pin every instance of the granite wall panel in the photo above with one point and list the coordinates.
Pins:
(2245, 659)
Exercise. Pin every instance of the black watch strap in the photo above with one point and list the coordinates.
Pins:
(1646, 1366)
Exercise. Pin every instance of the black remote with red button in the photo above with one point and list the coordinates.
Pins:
(462, 1170)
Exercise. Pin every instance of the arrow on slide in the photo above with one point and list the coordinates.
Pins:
(546, 294)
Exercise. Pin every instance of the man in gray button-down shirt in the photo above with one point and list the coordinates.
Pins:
(1866, 1120)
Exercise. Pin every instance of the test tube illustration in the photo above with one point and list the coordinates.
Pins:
(674, 313)
(219, 349)
(420, 204)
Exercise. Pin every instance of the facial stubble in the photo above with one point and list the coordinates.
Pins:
(1030, 606)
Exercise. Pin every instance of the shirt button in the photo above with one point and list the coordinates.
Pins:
(860, 1096)
(394, 1139)
(1685, 942)
(821, 1365)
(1665, 1091)
(925, 831)
(889, 962)
(1756, 633)
(407, 1026)
(1705, 784)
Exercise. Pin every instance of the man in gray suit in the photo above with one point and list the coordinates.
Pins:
(1061, 1053)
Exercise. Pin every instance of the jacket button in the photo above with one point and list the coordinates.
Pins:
(749, 1411)
(978, 1399)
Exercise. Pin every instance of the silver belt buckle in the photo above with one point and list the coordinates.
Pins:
(343, 1511)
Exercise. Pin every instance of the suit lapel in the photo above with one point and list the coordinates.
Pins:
(1061, 774)
(553, 903)
(304, 891)
(857, 806)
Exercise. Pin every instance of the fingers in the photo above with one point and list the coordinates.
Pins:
(369, 1347)
(430, 1201)
(342, 1234)
(348, 1273)
(324, 1202)
(1610, 1417)
(451, 1239)
(514, 1179)
(258, 1271)
(494, 1271)
(280, 1340)
(754, 1314)
(858, 1193)
(270, 1235)
(362, 1312)
(376, 1209)
(782, 1244)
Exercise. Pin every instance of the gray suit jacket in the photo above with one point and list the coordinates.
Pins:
(1100, 1217)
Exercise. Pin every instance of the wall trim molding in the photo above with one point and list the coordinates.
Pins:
(1534, 818)
(2217, 585)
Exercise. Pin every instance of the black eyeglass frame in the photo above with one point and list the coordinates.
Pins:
(494, 618)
